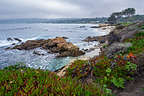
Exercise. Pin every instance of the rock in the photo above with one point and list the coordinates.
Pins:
(103, 25)
(113, 38)
(30, 44)
(116, 48)
(90, 39)
(58, 40)
(14, 44)
(7, 48)
(38, 53)
(104, 28)
(51, 43)
(95, 27)
(9, 39)
(65, 37)
(82, 26)
(120, 26)
(120, 33)
(101, 39)
(17, 39)
(73, 53)
(56, 45)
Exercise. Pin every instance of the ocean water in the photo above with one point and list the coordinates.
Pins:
(75, 33)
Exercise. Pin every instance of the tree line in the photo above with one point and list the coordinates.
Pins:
(124, 13)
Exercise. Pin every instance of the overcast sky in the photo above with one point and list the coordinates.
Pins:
(65, 8)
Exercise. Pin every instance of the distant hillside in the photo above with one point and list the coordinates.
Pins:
(59, 20)
(135, 18)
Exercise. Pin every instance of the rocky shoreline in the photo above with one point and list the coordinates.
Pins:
(56, 45)
(93, 52)
(122, 50)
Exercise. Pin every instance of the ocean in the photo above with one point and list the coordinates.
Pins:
(34, 31)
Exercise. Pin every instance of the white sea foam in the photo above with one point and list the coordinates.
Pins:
(7, 43)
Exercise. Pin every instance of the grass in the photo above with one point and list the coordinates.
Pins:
(22, 81)
(126, 24)
(142, 27)
(137, 43)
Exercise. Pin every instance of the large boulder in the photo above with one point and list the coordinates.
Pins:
(56, 45)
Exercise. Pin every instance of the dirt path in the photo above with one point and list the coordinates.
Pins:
(135, 88)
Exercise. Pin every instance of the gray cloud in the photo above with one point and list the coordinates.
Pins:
(65, 8)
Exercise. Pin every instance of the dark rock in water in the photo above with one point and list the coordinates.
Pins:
(73, 53)
(90, 39)
(120, 26)
(65, 37)
(100, 26)
(82, 26)
(17, 39)
(38, 53)
(104, 28)
(95, 27)
(9, 39)
(57, 45)
(101, 39)
(7, 48)
(14, 44)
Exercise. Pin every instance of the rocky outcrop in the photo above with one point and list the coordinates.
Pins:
(101, 39)
(57, 45)
(30, 44)
(116, 48)
(119, 34)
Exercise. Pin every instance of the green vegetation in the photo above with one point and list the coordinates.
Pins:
(22, 81)
(126, 24)
(137, 42)
(118, 15)
(103, 72)
(111, 73)
(142, 27)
